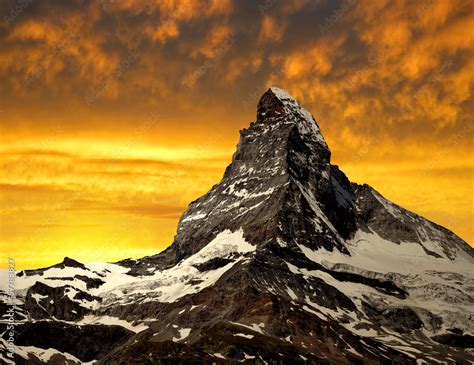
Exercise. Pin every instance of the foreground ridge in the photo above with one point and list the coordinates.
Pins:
(283, 261)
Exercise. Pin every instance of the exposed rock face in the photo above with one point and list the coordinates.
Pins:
(455, 340)
(67, 263)
(284, 261)
(396, 224)
(64, 302)
(87, 342)
(281, 167)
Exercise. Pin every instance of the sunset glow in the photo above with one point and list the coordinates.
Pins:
(115, 115)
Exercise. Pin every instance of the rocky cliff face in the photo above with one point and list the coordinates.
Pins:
(284, 261)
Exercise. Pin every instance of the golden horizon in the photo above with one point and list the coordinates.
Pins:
(114, 116)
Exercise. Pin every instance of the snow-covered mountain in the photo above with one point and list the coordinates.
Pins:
(285, 261)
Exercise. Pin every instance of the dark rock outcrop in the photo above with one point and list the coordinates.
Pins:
(87, 342)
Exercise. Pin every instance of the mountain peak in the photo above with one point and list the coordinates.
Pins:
(68, 262)
(277, 106)
(274, 101)
(283, 95)
(281, 167)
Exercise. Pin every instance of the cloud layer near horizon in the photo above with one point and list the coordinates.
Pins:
(125, 111)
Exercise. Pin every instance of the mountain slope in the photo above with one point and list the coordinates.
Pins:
(284, 261)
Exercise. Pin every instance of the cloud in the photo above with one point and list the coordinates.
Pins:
(272, 31)
(389, 80)
(25, 188)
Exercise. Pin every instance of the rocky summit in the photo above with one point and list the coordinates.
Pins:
(285, 261)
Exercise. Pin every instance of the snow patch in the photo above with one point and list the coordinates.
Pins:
(254, 327)
(244, 335)
(38, 297)
(292, 294)
(222, 245)
(110, 321)
(182, 279)
(371, 252)
(43, 354)
(194, 217)
(183, 333)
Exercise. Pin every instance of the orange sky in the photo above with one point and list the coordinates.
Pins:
(116, 114)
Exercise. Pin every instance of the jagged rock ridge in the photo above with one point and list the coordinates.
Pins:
(285, 260)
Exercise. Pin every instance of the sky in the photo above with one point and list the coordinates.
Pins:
(114, 115)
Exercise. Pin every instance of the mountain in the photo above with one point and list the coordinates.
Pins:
(285, 261)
